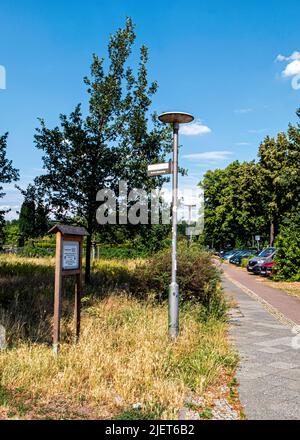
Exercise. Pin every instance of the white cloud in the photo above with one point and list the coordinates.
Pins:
(195, 129)
(243, 111)
(295, 56)
(242, 144)
(292, 69)
(209, 156)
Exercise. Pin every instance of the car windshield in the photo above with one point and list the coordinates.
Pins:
(230, 253)
(267, 252)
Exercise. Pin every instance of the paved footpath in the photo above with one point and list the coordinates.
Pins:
(286, 305)
(269, 373)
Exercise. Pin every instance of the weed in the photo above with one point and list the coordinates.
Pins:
(206, 414)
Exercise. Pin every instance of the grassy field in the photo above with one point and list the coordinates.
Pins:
(124, 365)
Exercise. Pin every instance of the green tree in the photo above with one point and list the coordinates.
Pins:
(27, 214)
(41, 218)
(254, 197)
(288, 248)
(279, 161)
(233, 204)
(8, 174)
(273, 163)
(12, 233)
(84, 155)
(33, 219)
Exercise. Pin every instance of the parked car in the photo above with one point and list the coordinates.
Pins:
(222, 252)
(236, 255)
(239, 256)
(230, 254)
(268, 269)
(266, 256)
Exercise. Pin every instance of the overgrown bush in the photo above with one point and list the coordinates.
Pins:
(198, 278)
(121, 252)
(245, 261)
(288, 250)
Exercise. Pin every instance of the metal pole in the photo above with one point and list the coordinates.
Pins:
(174, 289)
(58, 292)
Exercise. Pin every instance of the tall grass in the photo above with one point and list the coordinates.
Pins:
(26, 293)
(124, 355)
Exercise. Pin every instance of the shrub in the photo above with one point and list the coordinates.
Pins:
(36, 252)
(121, 252)
(245, 261)
(288, 250)
(198, 278)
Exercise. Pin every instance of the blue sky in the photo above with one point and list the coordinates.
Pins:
(215, 59)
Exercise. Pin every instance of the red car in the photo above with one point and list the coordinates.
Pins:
(268, 269)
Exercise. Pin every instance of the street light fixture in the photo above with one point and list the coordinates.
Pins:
(174, 118)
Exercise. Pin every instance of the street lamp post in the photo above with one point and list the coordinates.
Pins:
(174, 118)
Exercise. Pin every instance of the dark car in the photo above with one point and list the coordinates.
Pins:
(235, 256)
(230, 254)
(266, 256)
(225, 251)
(238, 258)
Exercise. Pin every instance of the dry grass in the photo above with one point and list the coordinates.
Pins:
(17, 262)
(292, 288)
(124, 357)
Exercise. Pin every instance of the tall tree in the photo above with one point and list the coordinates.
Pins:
(233, 204)
(255, 197)
(288, 248)
(84, 155)
(41, 218)
(33, 219)
(8, 174)
(27, 214)
(279, 161)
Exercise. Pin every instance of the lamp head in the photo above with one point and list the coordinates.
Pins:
(176, 118)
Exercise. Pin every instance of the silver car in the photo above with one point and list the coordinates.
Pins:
(266, 256)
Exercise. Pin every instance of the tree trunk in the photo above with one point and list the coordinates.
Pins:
(88, 259)
(272, 233)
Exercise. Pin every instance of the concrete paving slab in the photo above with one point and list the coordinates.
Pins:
(269, 373)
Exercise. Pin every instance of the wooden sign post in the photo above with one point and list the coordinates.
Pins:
(68, 262)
